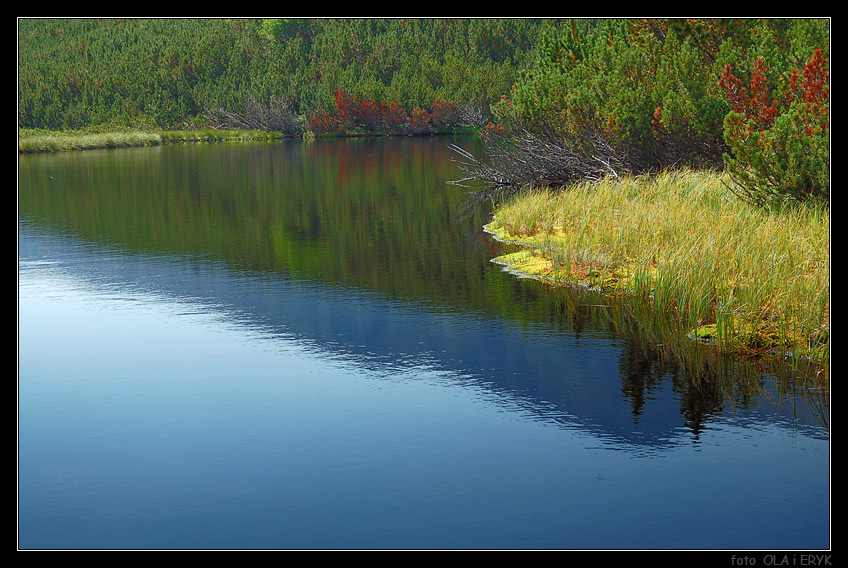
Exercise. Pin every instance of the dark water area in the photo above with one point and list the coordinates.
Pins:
(304, 345)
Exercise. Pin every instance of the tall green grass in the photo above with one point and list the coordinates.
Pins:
(749, 279)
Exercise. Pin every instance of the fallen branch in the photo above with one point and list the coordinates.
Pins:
(541, 159)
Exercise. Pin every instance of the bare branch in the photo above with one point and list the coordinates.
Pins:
(274, 116)
(540, 158)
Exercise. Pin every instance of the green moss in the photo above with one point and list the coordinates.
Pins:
(540, 260)
(706, 332)
(528, 263)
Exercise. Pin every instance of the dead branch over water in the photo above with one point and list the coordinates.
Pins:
(538, 159)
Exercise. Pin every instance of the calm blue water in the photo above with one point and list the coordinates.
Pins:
(170, 399)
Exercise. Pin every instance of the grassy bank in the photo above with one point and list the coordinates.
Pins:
(31, 141)
(34, 141)
(748, 280)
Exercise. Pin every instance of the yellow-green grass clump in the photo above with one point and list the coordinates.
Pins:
(747, 278)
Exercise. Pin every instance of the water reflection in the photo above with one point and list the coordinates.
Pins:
(357, 246)
(354, 255)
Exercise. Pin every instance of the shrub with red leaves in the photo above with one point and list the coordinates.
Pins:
(780, 142)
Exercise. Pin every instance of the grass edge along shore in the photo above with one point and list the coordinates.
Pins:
(32, 141)
(747, 279)
(38, 141)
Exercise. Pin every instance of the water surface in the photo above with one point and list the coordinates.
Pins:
(304, 345)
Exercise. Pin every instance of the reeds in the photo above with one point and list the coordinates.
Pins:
(749, 279)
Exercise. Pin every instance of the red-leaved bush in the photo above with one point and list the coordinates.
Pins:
(780, 141)
(353, 114)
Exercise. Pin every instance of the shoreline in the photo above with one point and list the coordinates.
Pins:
(589, 242)
(528, 262)
(44, 141)
(717, 271)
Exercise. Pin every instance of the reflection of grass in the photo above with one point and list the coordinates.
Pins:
(59, 141)
(748, 279)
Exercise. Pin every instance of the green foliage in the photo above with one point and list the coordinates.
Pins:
(780, 141)
(651, 91)
(781, 162)
(646, 87)
(132, 73)
(283, 29)
(168, 73)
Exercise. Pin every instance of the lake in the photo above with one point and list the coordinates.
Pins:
(304, 345)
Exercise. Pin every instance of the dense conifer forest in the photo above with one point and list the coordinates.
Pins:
(169, 73)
